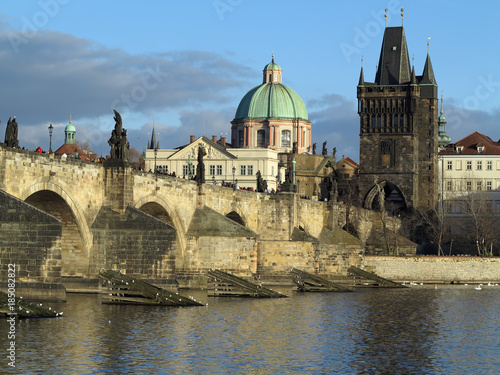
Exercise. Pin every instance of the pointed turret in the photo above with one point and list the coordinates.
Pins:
(413, 77)
(361, 77)
(428, 74)
(394, 62)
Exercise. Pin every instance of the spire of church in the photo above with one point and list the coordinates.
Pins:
(153, 144)
(69, 133)
(443, 139)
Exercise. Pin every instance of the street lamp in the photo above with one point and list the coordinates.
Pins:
(51, 128)
(156, 153)
(189, 163)
(234, 171)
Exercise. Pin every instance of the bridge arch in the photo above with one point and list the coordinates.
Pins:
(55, 200)
(157, 206)
(236, 214)
(393, 197)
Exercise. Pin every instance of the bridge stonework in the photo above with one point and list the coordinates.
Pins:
(162, 227)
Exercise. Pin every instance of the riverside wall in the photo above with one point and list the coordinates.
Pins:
(434, 269)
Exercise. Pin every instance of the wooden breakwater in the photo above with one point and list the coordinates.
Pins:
(24, 309)
(224, 284)
(308, 282)
(362, 278)
(122, 289)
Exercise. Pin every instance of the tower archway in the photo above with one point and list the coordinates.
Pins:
(394, 199)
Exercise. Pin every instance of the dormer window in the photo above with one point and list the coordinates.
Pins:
(480, 149)
(460, 149)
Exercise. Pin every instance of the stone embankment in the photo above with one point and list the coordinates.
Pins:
(434, 269)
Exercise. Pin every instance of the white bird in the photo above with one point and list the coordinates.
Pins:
(478, 287)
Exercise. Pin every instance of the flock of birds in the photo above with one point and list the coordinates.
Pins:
(478, 287)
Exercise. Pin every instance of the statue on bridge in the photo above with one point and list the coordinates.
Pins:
(261, 183)
(11, 134)
(200, 168)
(118, 141)
(314, 148)
(324, 152)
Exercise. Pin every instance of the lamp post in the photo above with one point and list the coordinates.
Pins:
(234, 171)
(189, 163)
(156, 153)
(51, 128)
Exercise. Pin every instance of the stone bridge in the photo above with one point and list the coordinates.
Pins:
(62, 217)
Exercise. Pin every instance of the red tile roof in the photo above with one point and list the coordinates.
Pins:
(471, 143)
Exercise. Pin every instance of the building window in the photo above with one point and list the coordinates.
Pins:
(469, 165)
(468, 185)
(479, 165)
(479, 185)
(285, 138)
(449, 185)
(212, 170)
(243, 170)
(261, 138)
(240, 138)
(250, 170)
(219, 170)
(489, 165)
(450, 165)
(488, 185)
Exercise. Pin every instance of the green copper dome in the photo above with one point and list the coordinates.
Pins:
(271, 101)
(70, 128)
(272, 66)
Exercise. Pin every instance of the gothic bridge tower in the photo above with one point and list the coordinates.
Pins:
(398, 130)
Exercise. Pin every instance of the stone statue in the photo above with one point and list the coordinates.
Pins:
(261, 183)
(200, 168)
(294, 148)
(334, 151)
(314, 148)
(118, 141)
(11, 134)
(324, 152)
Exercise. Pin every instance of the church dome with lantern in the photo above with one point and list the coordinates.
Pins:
(272, 115)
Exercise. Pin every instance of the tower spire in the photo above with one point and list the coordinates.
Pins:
(385, 17)
(361, 75)
(443, 139)
(402, 17)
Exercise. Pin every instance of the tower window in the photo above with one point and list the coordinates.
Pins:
(285, 138)
(261, 138)
(240, 138)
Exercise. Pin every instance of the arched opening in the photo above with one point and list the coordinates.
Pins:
(157, 211)
(234, 216)
(351, 229)
(74, 257)
(394, 200)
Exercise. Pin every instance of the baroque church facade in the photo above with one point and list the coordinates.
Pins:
(398, 115)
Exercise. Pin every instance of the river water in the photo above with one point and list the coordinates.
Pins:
(419, 330)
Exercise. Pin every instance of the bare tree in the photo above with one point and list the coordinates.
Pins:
(480, 225)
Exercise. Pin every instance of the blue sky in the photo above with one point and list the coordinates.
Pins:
(187, 64)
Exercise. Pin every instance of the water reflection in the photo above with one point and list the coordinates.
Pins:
(392, 331)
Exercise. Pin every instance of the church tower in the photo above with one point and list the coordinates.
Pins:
(398, 130)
